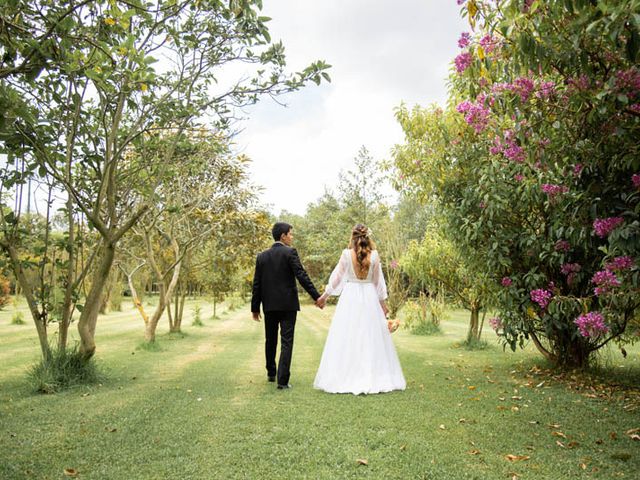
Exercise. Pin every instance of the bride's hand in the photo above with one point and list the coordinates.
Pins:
(393, 325)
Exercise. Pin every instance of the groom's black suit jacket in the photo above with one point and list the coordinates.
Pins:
(274, 281)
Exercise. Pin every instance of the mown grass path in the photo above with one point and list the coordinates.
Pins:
(201, 408)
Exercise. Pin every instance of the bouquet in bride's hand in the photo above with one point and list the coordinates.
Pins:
(393, 325)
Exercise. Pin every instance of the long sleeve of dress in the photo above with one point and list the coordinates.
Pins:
(338, 277)
(378, 278)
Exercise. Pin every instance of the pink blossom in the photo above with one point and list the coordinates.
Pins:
(577, 169)
(488, 43)
(476, 114)
(482, 205)
(562, 246)
(580, 83)
(541, 297)
(605, 281)
(464, 40)
(496, 323)
(514, 152)
(460, 2)
(620, 263)
(394, 264)
(635, 107)
(546, 90)
(463, 61)
(568, 268)
(553, 190)
(629, 81)
(523, 87)
(591, 324)
(518, 177)
(635, 179)
(604, 226)
(506, 282)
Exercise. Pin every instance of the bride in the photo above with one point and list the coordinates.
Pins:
(359, 356)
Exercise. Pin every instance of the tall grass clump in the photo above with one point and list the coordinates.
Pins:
(64, 369)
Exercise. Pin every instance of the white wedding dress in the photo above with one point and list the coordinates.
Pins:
(358, 356)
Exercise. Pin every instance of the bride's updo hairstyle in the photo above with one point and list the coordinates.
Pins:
(362, 244)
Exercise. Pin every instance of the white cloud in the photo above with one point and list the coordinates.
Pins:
(382, 53)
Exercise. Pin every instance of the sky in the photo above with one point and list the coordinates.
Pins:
(382, 52)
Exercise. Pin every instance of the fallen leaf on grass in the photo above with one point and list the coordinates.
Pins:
(516, 458)
(558, 434)
(554, 425)
(441, 427)
(362, 461)
(474, 452)
(633, 433)
(583, 466)
(613, 435)
(403, 447)
(560, 444)
(70, 472)
(514, 476)
(572, 444)
(111, 429)
(471, 387)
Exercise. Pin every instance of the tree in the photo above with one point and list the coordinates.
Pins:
(79, 91)
(534, 163)
(436, 265)
(360, 190)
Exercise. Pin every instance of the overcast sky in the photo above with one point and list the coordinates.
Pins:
(382, 53)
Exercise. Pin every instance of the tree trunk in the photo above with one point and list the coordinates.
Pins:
(484, 314)
(150, 330)
(39, 318)
(134, 293)
(214, 307)
(89, 316)
(178, 324)
(473, 324)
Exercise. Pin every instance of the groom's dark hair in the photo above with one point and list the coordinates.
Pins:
(280, 229)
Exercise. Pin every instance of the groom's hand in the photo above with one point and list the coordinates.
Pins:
(320, 302)
(256, 316)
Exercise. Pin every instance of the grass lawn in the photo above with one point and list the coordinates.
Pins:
(201, 408)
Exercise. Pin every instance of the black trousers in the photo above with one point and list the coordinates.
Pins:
(287, 323)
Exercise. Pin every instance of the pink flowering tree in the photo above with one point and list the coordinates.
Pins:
(535, 164)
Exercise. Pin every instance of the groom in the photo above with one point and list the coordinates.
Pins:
(274, 285)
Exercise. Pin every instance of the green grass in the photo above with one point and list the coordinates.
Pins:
(201, 409)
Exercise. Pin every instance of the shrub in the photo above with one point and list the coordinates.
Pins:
(18, 319)
(197, 321)
(419, 318)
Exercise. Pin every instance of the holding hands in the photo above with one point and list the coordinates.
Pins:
(322, 301)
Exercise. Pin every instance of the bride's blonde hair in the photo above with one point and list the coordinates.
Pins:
(362, 244)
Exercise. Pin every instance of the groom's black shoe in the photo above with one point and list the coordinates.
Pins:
(271, 378)
(284, 387)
